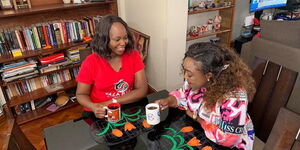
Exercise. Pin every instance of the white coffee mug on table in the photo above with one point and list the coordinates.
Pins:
(152, 113)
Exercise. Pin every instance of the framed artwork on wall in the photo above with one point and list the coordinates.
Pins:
(6, 4)
(141, 42)
(21, 4)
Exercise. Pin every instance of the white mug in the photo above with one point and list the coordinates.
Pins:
(152, 113)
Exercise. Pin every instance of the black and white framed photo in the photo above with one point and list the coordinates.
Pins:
(6, 4)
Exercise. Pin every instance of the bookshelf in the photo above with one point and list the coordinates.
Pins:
(46, 11)
(224, 33)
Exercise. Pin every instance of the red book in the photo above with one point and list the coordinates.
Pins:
(46, 35)
(52, 58)
(64, 30)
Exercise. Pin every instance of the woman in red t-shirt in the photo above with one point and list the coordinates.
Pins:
(114, 70)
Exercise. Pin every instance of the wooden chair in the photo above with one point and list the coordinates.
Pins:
(274, 84)
(84, 53)
(285, 133)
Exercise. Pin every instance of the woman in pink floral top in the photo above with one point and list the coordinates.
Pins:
(216, 92)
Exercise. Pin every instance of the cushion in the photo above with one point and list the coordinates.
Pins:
(285, 32)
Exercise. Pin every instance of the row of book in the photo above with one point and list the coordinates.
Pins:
(18, 70)
(32, 105)
(42, 103)
(73, 53)
(47, 35)
(25, 69)
(25, 86)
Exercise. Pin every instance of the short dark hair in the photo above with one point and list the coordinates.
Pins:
(101, 37)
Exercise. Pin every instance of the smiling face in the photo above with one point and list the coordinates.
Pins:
(118, 39)
(193, 75)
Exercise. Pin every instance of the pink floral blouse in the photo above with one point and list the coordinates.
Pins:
(228, 124)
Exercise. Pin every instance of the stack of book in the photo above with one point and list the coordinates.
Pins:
(19, 70)
(46, 35)
(73, 53)
(54, 62)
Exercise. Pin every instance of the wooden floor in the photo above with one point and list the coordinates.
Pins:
(34, 129)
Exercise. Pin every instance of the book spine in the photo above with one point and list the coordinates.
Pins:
(30, 39)
(64, 29)
(68, 31)
(50, 35)
(34, 41)
(53, 34)
(36, 36)
(61, 33)
(41, 36)
(46, 35)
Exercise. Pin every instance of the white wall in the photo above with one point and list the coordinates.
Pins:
(176, 41)
(240, 12)
(165, 22)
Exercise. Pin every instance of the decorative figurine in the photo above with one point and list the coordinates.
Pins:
(204, 28)
(193, 31)
(210, 24)
(200, 29)
(217, 21)
(213, 5)
(202, 5)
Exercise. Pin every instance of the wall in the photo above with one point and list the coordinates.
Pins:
(241, 10)
(165, 22)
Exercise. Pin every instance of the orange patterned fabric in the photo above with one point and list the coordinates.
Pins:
(117, 133)
(129, 126)
(187, 129)
(145, 124)
(207, 148)
(194, 142)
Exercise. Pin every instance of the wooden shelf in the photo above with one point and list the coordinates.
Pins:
(42, 74)
(41, 112)
(39, 93)
(40, 52)
(210, 9)
(222, 30)
(49, 8)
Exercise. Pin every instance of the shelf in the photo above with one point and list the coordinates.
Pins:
(39, 93)
(222, 30)
(210, 9)
(34, 53)
(41, 112)
(48, 8)
(42, 74)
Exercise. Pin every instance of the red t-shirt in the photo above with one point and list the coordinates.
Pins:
(106, 82)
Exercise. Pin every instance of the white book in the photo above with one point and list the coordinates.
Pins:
(32, 105)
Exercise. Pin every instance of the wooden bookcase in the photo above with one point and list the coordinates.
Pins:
(46, 11)
(224, 33)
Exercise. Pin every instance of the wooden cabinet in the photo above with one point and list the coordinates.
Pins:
(46, 12)
(199, 18)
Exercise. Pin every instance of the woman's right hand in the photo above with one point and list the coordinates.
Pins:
(163, 103)
(99, 110)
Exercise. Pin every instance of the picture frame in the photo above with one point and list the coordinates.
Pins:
(22, 4)
(140, 42)
(6, 4)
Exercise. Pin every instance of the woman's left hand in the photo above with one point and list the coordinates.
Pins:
(189, 113)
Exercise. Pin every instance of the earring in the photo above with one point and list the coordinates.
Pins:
(208, 79)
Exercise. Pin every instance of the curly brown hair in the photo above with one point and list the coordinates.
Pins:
(213, 58)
